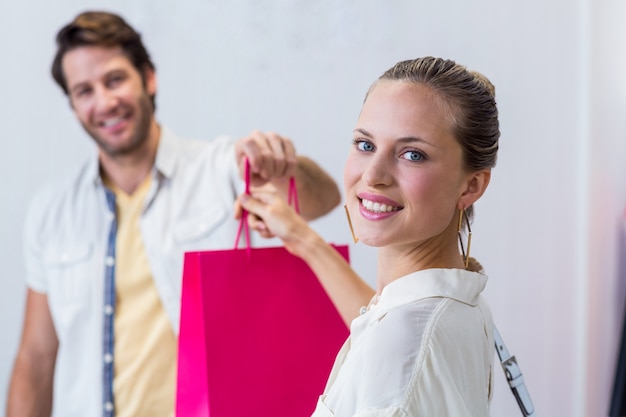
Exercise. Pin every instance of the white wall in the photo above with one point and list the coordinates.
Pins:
(605, 241)
(547, 229)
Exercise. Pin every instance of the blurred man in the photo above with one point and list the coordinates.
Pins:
(104, 248)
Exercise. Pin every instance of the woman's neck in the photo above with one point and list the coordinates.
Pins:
(397, 261)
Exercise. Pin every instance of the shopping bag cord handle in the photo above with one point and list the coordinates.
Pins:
(292, 200)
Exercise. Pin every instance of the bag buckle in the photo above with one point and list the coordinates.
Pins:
(514, 376)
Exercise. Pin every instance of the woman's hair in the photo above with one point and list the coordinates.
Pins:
(468, 98)
(100, 29)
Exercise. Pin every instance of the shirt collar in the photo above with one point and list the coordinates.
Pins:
(165, 163)
(166, 156)
(458, 284)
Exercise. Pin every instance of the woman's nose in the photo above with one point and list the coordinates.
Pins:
(378, 172)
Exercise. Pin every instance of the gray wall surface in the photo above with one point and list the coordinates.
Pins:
(546, 231)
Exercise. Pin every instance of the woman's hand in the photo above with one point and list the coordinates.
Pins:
(271, 216)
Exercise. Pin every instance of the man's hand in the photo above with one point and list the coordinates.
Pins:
(271, 157)
(273, 162)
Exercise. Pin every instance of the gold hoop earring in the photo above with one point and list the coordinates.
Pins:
(466, 256)
(356, 239)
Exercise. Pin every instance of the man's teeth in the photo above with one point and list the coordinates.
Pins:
(378, 207)
(111, 122)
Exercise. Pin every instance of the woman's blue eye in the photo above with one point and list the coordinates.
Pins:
(364, 146)
(413, 156)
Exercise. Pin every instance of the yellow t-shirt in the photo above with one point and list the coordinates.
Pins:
(145, 345)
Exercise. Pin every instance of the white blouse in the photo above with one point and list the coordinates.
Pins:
(424, 349)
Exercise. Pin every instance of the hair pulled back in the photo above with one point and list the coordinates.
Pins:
(468, 98)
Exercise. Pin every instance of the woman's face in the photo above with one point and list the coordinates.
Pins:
(404, 175)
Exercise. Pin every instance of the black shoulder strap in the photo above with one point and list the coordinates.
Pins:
(514, 376)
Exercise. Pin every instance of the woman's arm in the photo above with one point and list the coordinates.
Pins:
(345, 288)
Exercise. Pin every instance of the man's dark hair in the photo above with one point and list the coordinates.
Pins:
(100, 29)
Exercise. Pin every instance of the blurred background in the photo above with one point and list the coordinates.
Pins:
(549, 231)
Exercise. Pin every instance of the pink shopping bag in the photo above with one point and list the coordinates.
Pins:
(258, 334)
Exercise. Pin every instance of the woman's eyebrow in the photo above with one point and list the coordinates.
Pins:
(363, 132)
(411, 139)
(403, 140)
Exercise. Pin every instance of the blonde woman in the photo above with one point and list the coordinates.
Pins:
(423, 148)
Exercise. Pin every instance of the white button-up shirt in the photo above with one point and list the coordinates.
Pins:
(188, 208)
(424, 349)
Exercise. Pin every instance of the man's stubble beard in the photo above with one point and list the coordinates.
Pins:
(138, 137)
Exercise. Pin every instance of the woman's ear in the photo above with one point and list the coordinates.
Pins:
(476, 185)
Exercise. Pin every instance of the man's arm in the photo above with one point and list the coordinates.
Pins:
(30, 390)
(318, 193)
(273, 160)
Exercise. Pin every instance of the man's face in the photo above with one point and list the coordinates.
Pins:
(109, 98)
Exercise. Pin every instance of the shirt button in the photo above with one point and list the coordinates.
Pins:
(108, 358)
(110, 261)
(108, 309)
(108, 406)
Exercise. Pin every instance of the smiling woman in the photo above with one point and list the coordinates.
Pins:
(405, 157)
(423, 148)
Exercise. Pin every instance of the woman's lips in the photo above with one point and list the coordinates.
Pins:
(377, 207)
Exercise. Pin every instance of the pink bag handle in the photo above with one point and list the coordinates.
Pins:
(292, 200)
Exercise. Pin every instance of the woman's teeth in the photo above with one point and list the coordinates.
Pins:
(378, 207)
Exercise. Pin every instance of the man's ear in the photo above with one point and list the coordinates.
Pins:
(476, 185)
(150, 80)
